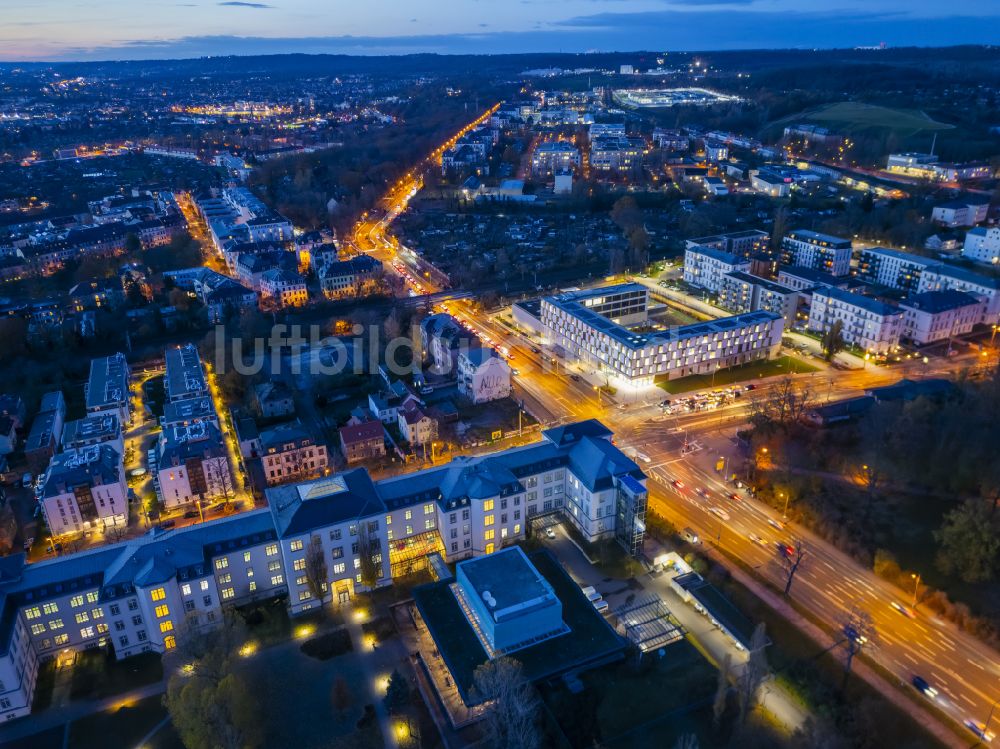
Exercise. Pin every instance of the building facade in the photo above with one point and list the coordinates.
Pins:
(705, 267)
(818, 251)
(871, 325)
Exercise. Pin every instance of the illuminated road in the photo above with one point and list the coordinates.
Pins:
(829, 583)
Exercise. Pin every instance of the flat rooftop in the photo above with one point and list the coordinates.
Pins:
(508, 577)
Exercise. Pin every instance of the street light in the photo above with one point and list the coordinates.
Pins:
(915, 576)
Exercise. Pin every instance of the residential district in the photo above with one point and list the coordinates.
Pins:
(596, 411)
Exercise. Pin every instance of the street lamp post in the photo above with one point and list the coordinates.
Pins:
(784, 512)
(916, 586)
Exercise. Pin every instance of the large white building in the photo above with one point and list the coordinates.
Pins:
(107, 387)
(961, 212)
(554, 157)
(892, 268)
(982, 245)
(85, 490)
(192, 465)
(185, 376)
(871, 325)
(590, 326)
(939, 315)
(141, 595)
(482, 375)
(705, 267)
(742, 292)
(818, 251)
(985, 288)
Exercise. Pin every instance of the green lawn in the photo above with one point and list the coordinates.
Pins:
(743, 373)
(97, 675)
(125, 727)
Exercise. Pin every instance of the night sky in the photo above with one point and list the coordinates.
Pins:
(137, 29)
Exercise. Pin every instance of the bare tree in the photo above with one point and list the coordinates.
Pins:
(316, 571)
(754, 673)
(686, 741)
(781, 405)
(369, 555)
(217, 470)
(512, 705)
(788, 560)
(859, 632)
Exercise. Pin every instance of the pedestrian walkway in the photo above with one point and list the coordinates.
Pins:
(373, 684)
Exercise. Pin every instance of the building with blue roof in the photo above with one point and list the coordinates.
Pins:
(892, 268)
(984, 287)
(141, 594)
(873, 326)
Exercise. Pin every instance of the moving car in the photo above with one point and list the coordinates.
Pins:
(643, 457)
(549, 533)
(721, 513)
(921, 685)
(690, 536)
(979, 729)
(678, 484)
(904, 610)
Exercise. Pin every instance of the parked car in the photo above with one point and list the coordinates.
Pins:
(26, 480)
(549, 533)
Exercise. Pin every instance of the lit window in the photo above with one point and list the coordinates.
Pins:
(489, 534)
(158, 595)
(204, 584)
(487, 505)
(82, 617)
(228, 593)
(61, 639)
(299, 564)
(162, 610)
(76, 601)
(295, 545)
(222, 563)
(50, 608)
(271, 549)
(92, 597)
(275, 580)
(169, 642)
(166, 626)
(488, 520)
(186, 589)
(409, 515)
(33, 613)
(37, 629)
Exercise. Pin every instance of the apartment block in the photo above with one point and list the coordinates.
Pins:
(892, 268)
(939, 315)
(742, 292)
(85, 490)
(871, 325)
(818, 251)
(107, 387)
(705, 267)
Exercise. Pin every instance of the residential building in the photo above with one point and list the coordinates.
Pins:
(140, 595)
(482, 375)
(290, 452)
(743, 292)
(353, 277)
(281, 288)
(98, 293)
(363, 441)
(818, 251)
(985, 288)
(590, 326)
(442, 337)
(716, 151)
(744, 244)
(892, 268)
(185, 376)
(192, 465)
(273, 399)
(8, 435)
(108, 387)
(705, 267)
(870, 325)
(415, 426)
(85, 490)
(982, 245)
(615, 154)
(805, 279)
(99, 429)
(189, 411)
(770, 183)
(46, 431)
(967, 211)
(939, 315)
(554, 157)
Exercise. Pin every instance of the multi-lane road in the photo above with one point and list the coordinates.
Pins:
(911, 642)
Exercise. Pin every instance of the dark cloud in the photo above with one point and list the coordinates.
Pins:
(242, 4)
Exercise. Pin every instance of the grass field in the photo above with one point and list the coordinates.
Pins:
(852, 116)
(782, 365)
